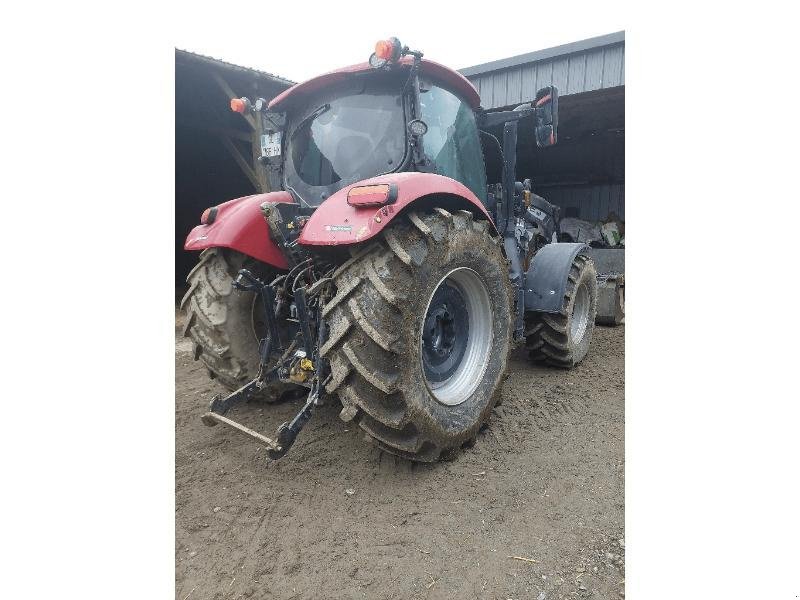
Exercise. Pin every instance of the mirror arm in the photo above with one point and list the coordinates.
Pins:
(492, 119)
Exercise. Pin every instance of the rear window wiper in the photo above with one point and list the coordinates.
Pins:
(317, 112)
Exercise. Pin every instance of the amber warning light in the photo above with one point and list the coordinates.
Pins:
(238, 105)
(388, 49)
(372, 195)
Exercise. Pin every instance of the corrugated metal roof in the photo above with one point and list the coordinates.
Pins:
(593, 64)
(210, 60)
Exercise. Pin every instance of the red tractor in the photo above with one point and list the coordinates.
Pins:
(385, 271)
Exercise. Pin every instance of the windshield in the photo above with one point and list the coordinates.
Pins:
(452, 141)
(344, 136)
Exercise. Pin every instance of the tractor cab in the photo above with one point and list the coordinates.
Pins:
(385, 116)
(359, 129)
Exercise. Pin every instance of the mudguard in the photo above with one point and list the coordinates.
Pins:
(546, 278)
(240, 225)
(335, 222)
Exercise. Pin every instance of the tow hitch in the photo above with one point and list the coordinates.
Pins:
(220, 405)
(287, 432)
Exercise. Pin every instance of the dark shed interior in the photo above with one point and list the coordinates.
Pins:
(211, 142)
(584, 173)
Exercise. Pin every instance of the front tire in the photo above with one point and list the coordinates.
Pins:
(562, 339)
(420, 330)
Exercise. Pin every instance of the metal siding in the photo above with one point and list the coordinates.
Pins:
(515, 86)
(581, 68)
(612, 67)
(613, 201)
(546, 54)
(596, 192)
(501, 89)
(583, 72)
(544, 74)
(594, 71)
(487, 89)
(495, 97)
(528, 83)
(594, 202)
(602, 207)
(577, 74)
(587, 206)
(583, 200)
(568, 199)
(555, 196)
(560, 73)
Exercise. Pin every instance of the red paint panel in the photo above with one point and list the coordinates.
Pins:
(241, 226)
(336, 222)
(452, 79)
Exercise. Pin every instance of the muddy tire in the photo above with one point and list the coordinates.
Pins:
(420, 330)
(562, 340)
(221, 320)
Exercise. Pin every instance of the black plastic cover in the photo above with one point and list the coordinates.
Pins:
(546, 278)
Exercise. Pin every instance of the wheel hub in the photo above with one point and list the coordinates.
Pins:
(456, 336)
(444, 333)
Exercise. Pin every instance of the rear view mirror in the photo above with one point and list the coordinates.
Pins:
(546, 105)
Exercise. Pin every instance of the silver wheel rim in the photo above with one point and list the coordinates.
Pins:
(465, 380)
(255, 318)
(580, 314)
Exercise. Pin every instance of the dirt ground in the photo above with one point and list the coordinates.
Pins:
(337, 518)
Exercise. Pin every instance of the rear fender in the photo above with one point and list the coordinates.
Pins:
(240, 225)
(336, 223)
(546, 278)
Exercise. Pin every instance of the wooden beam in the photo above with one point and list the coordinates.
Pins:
(217, 131)
(240, 160)
(231, 95)
(261, 172)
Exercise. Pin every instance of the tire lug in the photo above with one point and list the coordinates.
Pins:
(348, 413)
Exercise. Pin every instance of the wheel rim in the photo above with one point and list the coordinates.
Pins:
(580, 314)
(257, 316)
(456, 336)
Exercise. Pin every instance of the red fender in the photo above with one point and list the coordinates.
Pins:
(335, 222)
(241, 226)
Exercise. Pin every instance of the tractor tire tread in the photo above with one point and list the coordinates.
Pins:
(208, 305)
(365, 315)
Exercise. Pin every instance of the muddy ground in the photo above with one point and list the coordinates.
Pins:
(336, 518)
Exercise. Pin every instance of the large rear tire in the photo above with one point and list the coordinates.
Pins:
(420, 330)
(562, 339)
(225, 323)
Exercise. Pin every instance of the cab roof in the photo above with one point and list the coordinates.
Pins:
(454, 80)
